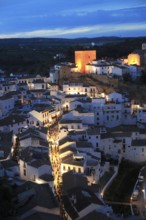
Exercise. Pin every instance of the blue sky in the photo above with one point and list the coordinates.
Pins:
(72, 18)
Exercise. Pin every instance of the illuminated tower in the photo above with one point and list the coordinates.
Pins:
(134, 59)
(84, 57)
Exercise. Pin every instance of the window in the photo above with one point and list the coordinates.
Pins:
(124, 148)
(63, 167)
(79, 170)
(96, 136)
(24, 172)
(142, 149)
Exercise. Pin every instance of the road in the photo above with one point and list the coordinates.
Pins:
(139, 206)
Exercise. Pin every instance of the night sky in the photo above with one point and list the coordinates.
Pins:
(72, 18)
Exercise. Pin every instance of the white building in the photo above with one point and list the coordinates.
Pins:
(13, 123)
(37, 84)
(80, 89)
(119, 70)
(34, 162)
(6, 105)
(116, 97)
(54, 76)
(8, 87)
(99, 69)
(75, 124)
(32, 137)
(135, 71)
(87, 118)
(44, 115)
(76, 196)
(141, 115)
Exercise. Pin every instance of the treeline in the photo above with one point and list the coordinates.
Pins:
(35, 56)
(112, 50)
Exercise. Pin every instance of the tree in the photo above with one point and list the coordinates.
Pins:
(5, 201)
(143, 76)
(127, 77)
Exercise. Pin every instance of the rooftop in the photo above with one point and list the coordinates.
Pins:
(42, 197)
(68, 121)
(84, 198)
(35, 156)
(72, 161)
(12, 119)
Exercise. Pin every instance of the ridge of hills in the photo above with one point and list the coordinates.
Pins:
(65, 41)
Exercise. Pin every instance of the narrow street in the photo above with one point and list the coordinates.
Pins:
(56, 163)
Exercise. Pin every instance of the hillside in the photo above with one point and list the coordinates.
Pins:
(136, 92)
(35, 55)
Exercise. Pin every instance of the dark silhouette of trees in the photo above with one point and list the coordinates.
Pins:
(143, 77)
(5, 200)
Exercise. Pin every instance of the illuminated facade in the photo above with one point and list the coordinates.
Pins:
(134, 59)
(84, 57)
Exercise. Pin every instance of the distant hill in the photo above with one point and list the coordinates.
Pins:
(57, 41)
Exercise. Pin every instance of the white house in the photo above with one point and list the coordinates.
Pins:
(99, 69)
(80, 89)
(32, 137)
(37, 84)
(76, 162)
(86, 117)
(67, 147)
(135, 71)
(34, 162)
(54, 76)
(75, 198)
(141, 115)
(116, 97)
(119, 70)
(8, 87)
(11, 168)
(6, 105)
(13, 122)
(75, 124)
